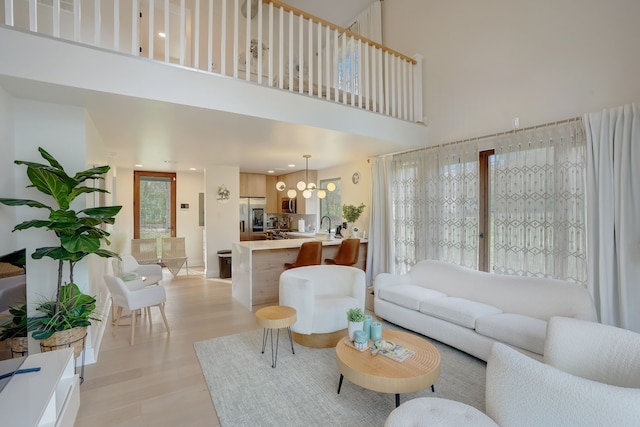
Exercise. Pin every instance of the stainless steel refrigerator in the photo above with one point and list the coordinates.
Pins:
(252, 218)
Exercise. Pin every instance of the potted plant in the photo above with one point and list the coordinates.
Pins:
(79, 234)
(15, 330)
(355, 317)
(351, 213)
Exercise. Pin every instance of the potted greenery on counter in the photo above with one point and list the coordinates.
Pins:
(351, 214)
(79, 234)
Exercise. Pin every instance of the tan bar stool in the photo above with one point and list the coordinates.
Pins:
(276, 317)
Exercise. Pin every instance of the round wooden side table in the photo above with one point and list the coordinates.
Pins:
(276, 317)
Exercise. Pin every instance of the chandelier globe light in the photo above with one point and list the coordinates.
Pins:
(307, 188)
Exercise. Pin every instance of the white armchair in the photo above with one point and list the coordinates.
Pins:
(321, 295)
(151, 272)
(594, 351)
(594, 391)
(124, 297)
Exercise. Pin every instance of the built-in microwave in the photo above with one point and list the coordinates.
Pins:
(288, 205)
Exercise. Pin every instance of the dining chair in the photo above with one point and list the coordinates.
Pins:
(310, 253)
(135, 299)
(174, 254)
(144, 250)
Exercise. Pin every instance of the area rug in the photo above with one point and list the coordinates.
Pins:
(302, 389)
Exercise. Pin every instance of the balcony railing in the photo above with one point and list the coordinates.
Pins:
(273, 45)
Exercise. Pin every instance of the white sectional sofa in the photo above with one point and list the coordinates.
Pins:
(470, 310)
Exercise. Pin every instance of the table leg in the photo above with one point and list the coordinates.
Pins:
(274, 360)
(433, 389)
(264, 339)
(340, 383)
(291, 340)
(397, 400)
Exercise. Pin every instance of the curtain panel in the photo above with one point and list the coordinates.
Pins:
(435, 206)
(613, 208)
(538, 202)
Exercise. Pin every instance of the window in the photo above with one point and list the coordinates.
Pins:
(154, 204)
(347, 66)
(517, 209)
(331, 205)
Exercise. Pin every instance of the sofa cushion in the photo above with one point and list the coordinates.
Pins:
(460, 311)
(408, 296)
(514, 329)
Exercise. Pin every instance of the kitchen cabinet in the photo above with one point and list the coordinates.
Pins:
(304, 206)
(271, 194)
(253, 185)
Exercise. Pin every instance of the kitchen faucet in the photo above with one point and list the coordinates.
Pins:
(322, 219)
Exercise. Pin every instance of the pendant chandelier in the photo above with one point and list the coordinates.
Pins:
(305, 186)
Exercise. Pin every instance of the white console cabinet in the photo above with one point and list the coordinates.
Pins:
(50, 397)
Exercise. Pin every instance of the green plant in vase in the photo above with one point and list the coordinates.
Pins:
(79, 234)
(351, 214)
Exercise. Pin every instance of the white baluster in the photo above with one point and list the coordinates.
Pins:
(310, 57)
(259, 47)
(33, 15)
(196, 42)
(320, 82)
(116, 25)
(8, 13)
(152, 21)
(270, 44)
(56, 18)
(223, 39)
(281, 51)
(236, 12)
(290, 51)
(247, 43)
(77, 24)
(210, 37)
(97, 22)
(167, 33)
(300, 54)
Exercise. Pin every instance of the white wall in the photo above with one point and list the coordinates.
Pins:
(487, 62)
(221, 219)
(8, 240)
(353, 194)
(188, 188)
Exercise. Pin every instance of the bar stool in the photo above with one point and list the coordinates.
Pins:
(310, 253)
(347, 253)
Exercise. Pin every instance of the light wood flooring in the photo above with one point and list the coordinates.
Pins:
(158, 381)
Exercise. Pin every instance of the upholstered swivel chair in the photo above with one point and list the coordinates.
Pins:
(347, 253)
(142, 298)
(310, 253)
(321, 295)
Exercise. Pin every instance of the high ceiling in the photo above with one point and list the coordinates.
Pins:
(173, 137)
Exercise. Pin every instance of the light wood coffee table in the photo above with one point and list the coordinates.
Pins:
(382, 374)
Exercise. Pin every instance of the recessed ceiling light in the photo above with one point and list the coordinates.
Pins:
(138, 166)
(192, 169)
(292, 166)
(270, 171)
(163, 35)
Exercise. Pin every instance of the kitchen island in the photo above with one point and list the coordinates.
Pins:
(257, 265)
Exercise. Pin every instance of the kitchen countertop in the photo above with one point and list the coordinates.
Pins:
(258, 245)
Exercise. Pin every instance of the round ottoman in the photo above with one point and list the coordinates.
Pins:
(436, 412)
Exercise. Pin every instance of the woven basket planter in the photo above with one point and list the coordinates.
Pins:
(70, 338)
(19, 346)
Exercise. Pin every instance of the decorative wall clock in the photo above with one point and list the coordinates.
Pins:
(355, 178)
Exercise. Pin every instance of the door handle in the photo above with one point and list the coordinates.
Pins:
(242, 226)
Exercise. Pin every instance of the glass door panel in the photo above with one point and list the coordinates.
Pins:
(154, 205)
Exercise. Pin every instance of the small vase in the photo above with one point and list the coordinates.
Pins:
(353, 327)
(346, 231)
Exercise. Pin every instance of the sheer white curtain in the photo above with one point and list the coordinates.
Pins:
(435, 206)
(369, 23)
(379, 251)
(613, 201)
(537, 202)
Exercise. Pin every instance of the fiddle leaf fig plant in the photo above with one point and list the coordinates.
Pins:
(79, 233)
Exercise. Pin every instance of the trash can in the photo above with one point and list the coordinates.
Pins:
(224, 259)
